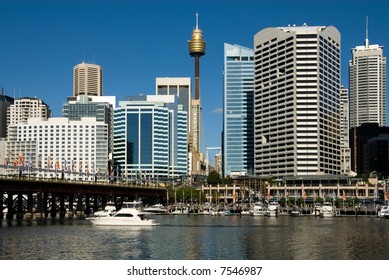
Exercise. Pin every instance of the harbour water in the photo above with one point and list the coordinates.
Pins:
(199, 237)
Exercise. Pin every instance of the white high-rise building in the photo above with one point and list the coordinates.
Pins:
(367, 85)
(297, 101)
(50, 147)
(87, 79)
(344, 132)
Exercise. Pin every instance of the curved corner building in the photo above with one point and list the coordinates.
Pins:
(87, 79)
(297, 101)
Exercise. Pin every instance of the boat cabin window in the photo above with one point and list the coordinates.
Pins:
(131, 205)
(124, 215)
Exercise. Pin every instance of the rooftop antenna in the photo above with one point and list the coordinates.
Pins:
(197, 20)
(367, 32)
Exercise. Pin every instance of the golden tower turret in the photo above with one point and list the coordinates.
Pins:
(197, 43)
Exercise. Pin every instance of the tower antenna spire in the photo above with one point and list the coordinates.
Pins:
(367, 32)
(197, 20)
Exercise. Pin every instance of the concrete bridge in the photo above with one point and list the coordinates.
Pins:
(30, 197)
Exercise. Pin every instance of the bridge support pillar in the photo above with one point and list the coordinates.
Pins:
(95, 204)
(19, 214)
(70, 210)
(87, 205)
(45, 204)
(29, 213)
(10, 206)
(1, 205)
(62, 210)
(53, 210)
(39, 206)
(103, 201)
(79, 212)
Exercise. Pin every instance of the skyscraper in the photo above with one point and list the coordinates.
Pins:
(87, 79)
(196, 49)
(344, 132)
(238, 111)
(150, 138)
(296, 101)
(367, 85)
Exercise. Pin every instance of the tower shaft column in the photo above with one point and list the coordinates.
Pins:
(197, 77)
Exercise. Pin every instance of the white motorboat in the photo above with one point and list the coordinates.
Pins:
(384, 212)
(316, 209)
(155, 209)
(327, 210)
(181, 209)
(294, 212)
(246, 212)
(273, 209)
(128, 215)
(108, 210)
(259, 210)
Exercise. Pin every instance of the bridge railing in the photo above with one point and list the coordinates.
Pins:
(71, 177)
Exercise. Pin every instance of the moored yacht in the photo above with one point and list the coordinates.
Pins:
(327, 210)
(384, 212)
(294, 212)
(155, 209)
(108, 210)
(181, 209)
(273, 209)
(259, 210)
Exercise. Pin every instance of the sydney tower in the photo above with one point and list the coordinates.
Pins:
(196, 49)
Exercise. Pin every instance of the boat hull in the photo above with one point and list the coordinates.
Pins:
(327, 214)
(294, 214)
(272, 213)
(110, 221)
(259, 211)
(261, 214)
(327, 211)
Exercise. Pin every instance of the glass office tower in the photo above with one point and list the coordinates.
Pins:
(238, 93)
(150, 138)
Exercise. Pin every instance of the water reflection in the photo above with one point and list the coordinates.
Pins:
(198, 237)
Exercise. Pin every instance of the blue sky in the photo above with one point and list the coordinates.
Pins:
(137, 41)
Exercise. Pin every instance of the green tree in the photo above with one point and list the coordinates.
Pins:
(283, 201)
(213, 178)
(226, 181)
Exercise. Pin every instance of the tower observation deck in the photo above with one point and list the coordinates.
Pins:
(196, 50)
